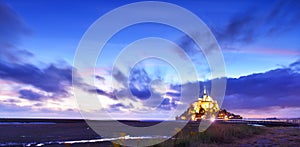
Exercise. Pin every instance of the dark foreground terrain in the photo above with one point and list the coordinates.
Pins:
(59, 132)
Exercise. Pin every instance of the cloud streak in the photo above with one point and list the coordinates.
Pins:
(12, 29)
(249, 26)
(51, 79)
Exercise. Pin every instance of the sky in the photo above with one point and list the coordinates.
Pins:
(259, 41)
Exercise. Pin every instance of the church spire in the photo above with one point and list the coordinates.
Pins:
(205, 94)
(204, 91)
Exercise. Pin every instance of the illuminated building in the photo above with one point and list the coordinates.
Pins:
(206, 108)
(203, 108)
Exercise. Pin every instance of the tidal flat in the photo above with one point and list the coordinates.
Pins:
(78, 133)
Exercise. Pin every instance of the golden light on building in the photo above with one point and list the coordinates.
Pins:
(203, 108)
(206, 108)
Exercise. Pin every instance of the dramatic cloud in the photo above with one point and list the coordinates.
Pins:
(188, 45)
(54, 80)
(139, 83)
(51, 79)
(120, 107)
(99, 78)
(279, 87)
(14, 66)
(30, 95)
(151, 92)
(295, 66)
(102, 92)
(260, 22)
(168, 104)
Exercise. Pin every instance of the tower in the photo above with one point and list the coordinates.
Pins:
(204, 93)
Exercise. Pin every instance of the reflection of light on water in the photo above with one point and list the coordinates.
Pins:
(40, 144)
(256, 125)
(212, 119)
(127, 137)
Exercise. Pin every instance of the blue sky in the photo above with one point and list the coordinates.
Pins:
(38, 41)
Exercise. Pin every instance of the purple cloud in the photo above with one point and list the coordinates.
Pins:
(295, 66)
(102, 92)
(30, 95)
(119, 106)
(51, 79)
(139, 83)
(100, 78)
(279, 87)
(167, 104)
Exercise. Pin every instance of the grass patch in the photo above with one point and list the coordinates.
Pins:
(216, 134)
